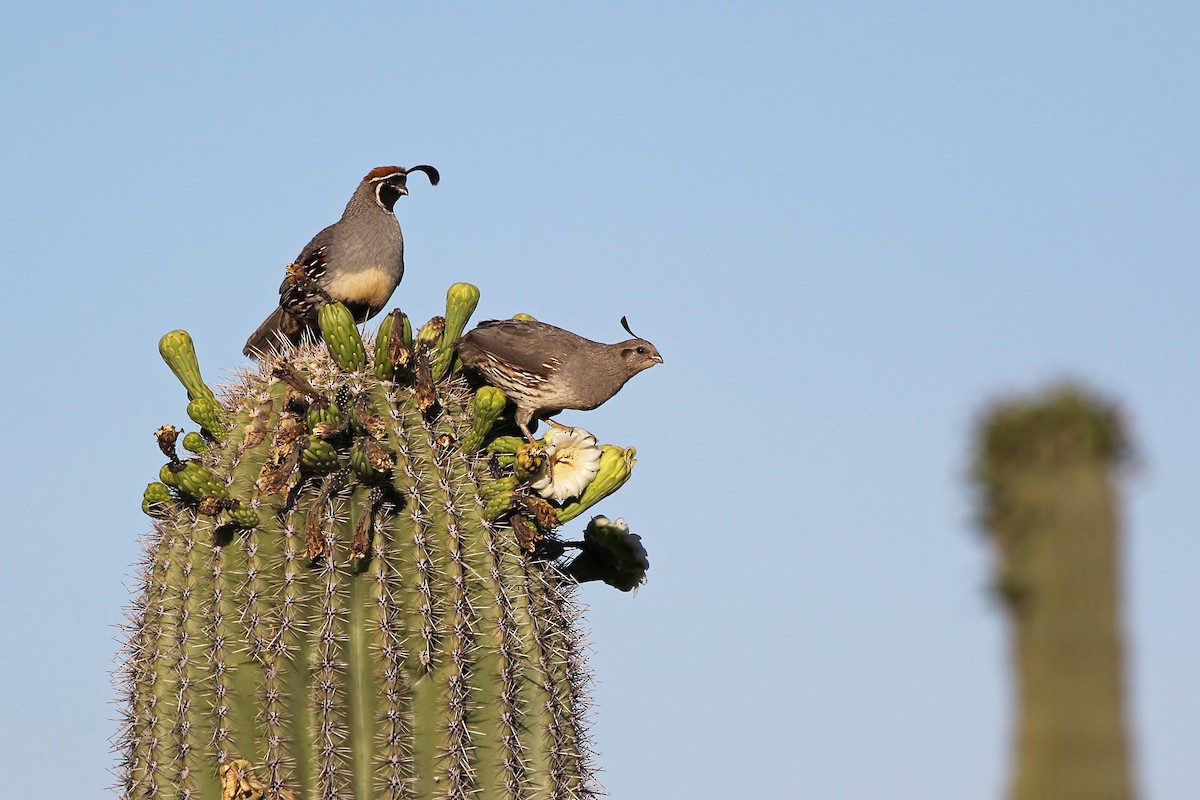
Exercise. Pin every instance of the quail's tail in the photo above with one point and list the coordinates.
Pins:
(278, 328)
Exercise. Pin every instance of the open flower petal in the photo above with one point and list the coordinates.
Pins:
(572, 462)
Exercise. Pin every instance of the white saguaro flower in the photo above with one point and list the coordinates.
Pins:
(572, 462)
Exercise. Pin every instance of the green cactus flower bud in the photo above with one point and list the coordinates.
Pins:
(385, 370)
(208, 414)
(179, 353)
(195, 443)
(486, 408)
(369, 459)
(501, 486)
(525, 317)
(461, 300)
(505, 444)
(167, 476)
(498, 505)
(612, 554)
(324, 412)
(177, 349)
(319, 456)
(616, 464)
(196, 480)
(341, 337)
(155, 499)
(243, 516)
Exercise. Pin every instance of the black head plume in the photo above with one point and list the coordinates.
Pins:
(431, 172)
(625, 325)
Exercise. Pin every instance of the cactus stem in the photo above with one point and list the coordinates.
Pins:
(345, 622)
(361, 689)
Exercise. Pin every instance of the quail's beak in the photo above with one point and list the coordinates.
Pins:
(403, 190)
(656, 358)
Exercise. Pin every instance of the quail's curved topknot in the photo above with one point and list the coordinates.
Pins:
(383, 172)
(429, 171)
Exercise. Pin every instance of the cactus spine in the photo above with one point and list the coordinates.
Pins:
(335, 601)
(1044, 468)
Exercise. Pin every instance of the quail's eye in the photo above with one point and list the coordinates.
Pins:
(641, 351)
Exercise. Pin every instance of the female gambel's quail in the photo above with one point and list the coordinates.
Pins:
(356, 261)
(544, 369)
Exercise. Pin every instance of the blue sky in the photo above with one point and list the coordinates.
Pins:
(846, 226)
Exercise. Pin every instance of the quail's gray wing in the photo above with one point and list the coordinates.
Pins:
(312, 259)
(526, 345)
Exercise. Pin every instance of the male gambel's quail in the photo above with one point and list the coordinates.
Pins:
(357, 261)
(544, 369)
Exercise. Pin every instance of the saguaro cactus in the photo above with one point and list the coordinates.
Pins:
(1045, 469)
(347, 595)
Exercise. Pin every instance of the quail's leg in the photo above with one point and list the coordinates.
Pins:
(523, 418)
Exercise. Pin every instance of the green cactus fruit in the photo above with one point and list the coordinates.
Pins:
(319, 456)
(155, 499)
(486, 408)
(195, 443)
(525, 317)
(616, 465)
(365, 633)
(341, 337)
(612, 554)
(461, 300)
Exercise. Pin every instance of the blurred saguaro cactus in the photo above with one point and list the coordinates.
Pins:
(1045, 470)
(349, 591)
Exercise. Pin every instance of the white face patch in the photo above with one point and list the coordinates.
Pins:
(370, 286)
